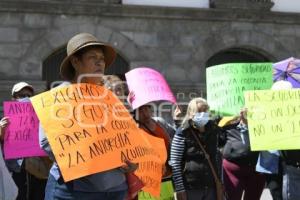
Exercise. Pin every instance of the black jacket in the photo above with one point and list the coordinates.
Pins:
(237, 150)
(197, 173)
(291, 157)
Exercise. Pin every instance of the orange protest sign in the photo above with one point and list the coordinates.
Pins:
(89, 130)
(150, 171)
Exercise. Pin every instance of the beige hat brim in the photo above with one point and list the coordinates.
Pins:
(66, 68)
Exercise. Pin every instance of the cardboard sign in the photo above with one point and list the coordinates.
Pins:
(89, 130)
(150, 171)
(227, 82)
(147, 85)
(21, 135)
(166, 192)
(274, 119)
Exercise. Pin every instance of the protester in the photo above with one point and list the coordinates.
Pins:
(291, 175)
(119, 88)
(192, 175)
(239, 164)
(24, 172)
(177, 116)
(290, 163)
(116, 85)
(270, 162)
(20, 92)
(155, 126)
(85, 62)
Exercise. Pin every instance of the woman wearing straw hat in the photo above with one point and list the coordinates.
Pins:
(86, 60)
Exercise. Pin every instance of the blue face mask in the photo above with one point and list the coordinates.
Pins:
(200, 119)
(25, 99)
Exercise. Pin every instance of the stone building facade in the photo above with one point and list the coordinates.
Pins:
(178, 42)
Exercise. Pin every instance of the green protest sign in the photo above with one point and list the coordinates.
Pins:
(166, 192)
(227, 82)
(273, 119)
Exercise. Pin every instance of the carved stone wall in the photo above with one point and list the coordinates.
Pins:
(175, 41)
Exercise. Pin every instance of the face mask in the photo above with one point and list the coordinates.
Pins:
(25, 99)
(201, 119)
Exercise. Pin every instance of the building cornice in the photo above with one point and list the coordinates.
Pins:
(94, 8)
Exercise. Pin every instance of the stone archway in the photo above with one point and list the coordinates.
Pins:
(251, 45)
(256, 42)
(237, 55)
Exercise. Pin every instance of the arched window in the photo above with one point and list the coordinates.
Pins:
(51, 64)
(237, 55)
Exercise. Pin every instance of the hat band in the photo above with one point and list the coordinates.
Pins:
(83, 45)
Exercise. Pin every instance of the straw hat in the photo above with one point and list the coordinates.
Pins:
(81, 41)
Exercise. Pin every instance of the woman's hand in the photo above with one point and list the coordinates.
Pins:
(3, 124)
(243, 115)
(129, 167)
(181, 195)
(130, 97)
(166, 171)
(177, 113)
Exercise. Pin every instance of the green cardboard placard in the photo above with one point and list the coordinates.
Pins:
(227, 82)
(166, 192)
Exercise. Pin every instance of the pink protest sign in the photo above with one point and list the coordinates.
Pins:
(22, 134)
(147, 85)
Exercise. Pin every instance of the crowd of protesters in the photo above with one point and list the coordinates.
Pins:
(203, 156)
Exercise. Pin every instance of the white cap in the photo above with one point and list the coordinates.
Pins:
(282, 85)
(19, 86)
